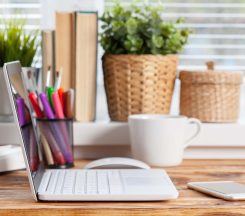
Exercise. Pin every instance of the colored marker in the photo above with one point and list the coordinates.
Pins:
(62, 97)
(46, 106)
(34, 101)
(69, 103)
(57, 106)
(50, 91)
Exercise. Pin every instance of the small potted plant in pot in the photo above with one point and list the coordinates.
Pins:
(15, 44)
(140, 59)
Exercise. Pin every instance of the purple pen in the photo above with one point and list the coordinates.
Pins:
(46, 106)
(21, 111)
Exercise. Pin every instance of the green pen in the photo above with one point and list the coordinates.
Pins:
(50, 91)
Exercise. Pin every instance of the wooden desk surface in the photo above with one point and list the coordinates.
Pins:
(16, 199)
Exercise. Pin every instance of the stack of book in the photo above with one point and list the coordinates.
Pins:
(73, 47)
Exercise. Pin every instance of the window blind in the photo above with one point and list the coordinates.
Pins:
(218, 31)
(28, 10)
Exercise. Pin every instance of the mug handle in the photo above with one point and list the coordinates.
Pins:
(198, 130)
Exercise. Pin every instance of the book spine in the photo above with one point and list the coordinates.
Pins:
(64, 47)
(86, 66)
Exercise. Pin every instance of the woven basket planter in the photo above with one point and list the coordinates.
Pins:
(210, 96)
(138, 84)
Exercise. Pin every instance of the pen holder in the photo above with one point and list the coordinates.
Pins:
(57, 142)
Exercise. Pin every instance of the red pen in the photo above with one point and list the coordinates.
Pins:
(62, 97)
(33, 99)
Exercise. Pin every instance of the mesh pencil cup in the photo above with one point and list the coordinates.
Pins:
(57, 142)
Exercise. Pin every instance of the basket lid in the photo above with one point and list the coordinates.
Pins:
(211, 76)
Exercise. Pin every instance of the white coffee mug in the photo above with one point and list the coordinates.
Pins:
(160, 140)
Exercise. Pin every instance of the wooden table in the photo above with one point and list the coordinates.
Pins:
(16, 199)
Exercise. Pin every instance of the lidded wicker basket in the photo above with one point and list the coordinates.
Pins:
(137, 84)
(211, 96)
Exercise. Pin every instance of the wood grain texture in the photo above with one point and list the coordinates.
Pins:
(16, 199)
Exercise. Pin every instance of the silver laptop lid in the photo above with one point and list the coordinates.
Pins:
(27, 129)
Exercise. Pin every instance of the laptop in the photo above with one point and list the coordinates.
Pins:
(80, 184)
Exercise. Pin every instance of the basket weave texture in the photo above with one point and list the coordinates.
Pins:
(139, 84)
(210, 96)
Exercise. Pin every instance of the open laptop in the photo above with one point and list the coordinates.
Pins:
(80, 184)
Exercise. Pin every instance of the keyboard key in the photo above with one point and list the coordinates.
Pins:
(60, 182)
(91, 183)
(52, 182)
(103, 187)
(115, 183)
(69, 182)
(80, 182)
(44, 183)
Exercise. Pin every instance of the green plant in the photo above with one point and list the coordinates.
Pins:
(140, 30)
(17, 44)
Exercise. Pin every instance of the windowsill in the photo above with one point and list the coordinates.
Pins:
(116, 134)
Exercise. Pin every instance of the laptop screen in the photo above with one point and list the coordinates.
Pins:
(28, 128)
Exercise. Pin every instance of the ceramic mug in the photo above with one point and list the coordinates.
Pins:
(160, 140)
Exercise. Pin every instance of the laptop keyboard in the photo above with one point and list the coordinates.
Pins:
(82, 182)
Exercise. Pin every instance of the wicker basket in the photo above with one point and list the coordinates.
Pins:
(210, 96)
(138, 84)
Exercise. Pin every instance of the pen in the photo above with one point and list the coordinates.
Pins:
(50, 91)
(69, 103)
(47, 150)
(21, 111)
(61, 96)
(46, 106)
(55, 129)
(34, 101)
(57, 106)
(60, 114)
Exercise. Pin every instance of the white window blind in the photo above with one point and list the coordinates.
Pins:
(218, 31)
(28, 10)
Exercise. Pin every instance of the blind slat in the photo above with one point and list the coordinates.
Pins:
(188, 5)
(212, 25)
(215, 46)
(217, 36)
(203, 15)
(228, 57)
(20, 5)
(20, 16)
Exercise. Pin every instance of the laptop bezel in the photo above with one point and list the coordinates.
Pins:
(15, 67)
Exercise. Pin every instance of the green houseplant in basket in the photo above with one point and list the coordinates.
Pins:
(140, 59)
(15, 44)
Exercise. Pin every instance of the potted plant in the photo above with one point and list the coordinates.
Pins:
(15, 44)
(140, 59)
